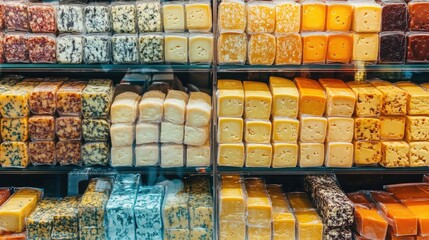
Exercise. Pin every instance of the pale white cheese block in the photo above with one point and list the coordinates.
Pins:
(313, 129)
(201, 48)
(147, 155)
(198, 156)
(122, 156)
(147, 133)
(339, 154)
(176, 48)
(151, 106)
(196, 136)
(125, 108)
(311, 154)
(199, 109)
(172, 155)
(172, 133)
(122, 134)
(175, 107)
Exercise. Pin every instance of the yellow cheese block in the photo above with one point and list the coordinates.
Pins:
(257, 131)
(285, 97)
(311, 154)
(230, 98)
(176, 48)
(339, 154)
(285, 155)
(309, 225)
(313, 16)
(232, 16)
(14, 154)
(258, 233)
(261, 17)
(174, 17)
(339, 16)
(418, 103)
(312, 99)
(340, 47)
(288, 17)
(395, 154)
(232, 200)
(231, 154)
(340, 129)
(367, 153)
(232, 230)
(419, 154)
(314, 47)
(368, 99)
(262, 49)
(340, 99)
(288, 49)
(230, 130)
(258, 155)
(278, 198)
(14, 129)
(258, 205)
(285, 129)
(367, 129)
(367, 17)
(198, 17)
(200, 48)
(283, 219)
(416, 128)
(299, 201)
(14, 104)
(394, 98)
(365, 47)
(313, 129)
(232, 48)
(257, 100)
(392, 127)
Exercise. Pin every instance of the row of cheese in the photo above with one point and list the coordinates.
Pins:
(304, 15)
(126, 17)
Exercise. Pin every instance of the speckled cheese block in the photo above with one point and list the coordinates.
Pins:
(200, 204)
(201, 234)
(173, 234)
(337, 234)
(70, 49)
(176, 212)
(97, 18)
(70, 19)
(148, 208)
(96, 49)
(125, 49)
(96, 98)
(95, 153)
(95, 129)
(65, 225)
(147, 233)
(39, 223)
(151, 48)
(149, 17)
(123, 18)
(14, 154)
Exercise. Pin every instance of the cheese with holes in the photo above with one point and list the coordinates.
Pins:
(147, 155)
(230, 98)
(232, 48)
(257, 131)
(339, 16)
(312, 99)
(262, 49)
(394, 98)
(198, 110)
(368, 99)
(367, 17)
(196, 136)
(198, 16)
(14, 129)
(124, 108)
(340, 100)
(288, 49)
(147, 133)
(151, 106)
(314, 47)
(395, 154)
(309, 225)
(172, 155)
(201, 48)
(418, 103)
(174, 17)
(232, 16)
(313, 16)
(198, 156)
(230, 130)
(261, 17)
(313, 129)
(172, 133)
(416, 128)
(285, 97)
(122, 134)
(257, 99)
(392, 127)
(231, 154)
(176, 48)
(419, 154)
(14, 154)
(285, 155)
(258, 155)
(285, 129)
(175, 107)
(288, 17)
(367, 129)
(365, 47)
(340, 47)
(339, 154)
(311, 154)
(340, 129)
(367, 153)
(122, 156)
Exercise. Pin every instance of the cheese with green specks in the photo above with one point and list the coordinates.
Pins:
(14, 129)
(148, 233)
(95, 153)
(14, 104)
(201, 234)
(175, 106)
(96, 98)
(14, 154)
(65, 223)
(95, 129)
(176, 234)
(200, 203)
(148, 207)
(39, 223)
(175, 212)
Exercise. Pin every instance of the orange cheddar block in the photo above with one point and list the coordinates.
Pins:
(392, 236)
(257, 100)
(341, 99)
(409, 191)
(232, 16)
(314, 47)
(340, 47)
(338, 16)
(232, 48)
(288, 17)
(262, 49)
(421, 210)
(288, 49)
(4, 195)
(13, 236)
(312, 99)
(313, 16)
(309, 225)
(299, 201)
(261, 17)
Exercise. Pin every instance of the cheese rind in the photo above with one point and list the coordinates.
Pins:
(395, 154)
(14, 154)
(367, 129)
(257, 131)
(416, 128)
(313, 129)
(230, 130)
(230, 98)
(124, 108)
(312, 99)
(258, 155)
(419, 154)
(198, 109)
(339, 154)
(151, 106)
(340, 99)
(285, 129)
(285, 97)
(231, 154)
(367, 153)
(392, 127)
(147, 155)
(340, 129)
(285, 155)
(418, 103)
(394, 98)
(175, 106)
(368, 99)
(172, 133)
(257, 99)
(311, 154)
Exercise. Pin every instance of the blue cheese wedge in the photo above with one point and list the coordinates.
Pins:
(149, 17)
(125, 49)
(70, 49)
(97, 18)
(95, 129)
(96, 49)
(70, 19)
(123, 18)
(96, 98)
(14, 154)
(95, 153)
(151, 48)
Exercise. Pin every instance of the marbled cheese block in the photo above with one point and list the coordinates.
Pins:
(175, 106)
(340, 129)
(418, 103)
(261, 18)
(232, 16)
(70, 49)
(288, 49)
(257, 100)
(313, 129)
(367, 129)
(123, 18)
(340, 100)
(395, 154)
(198, 109)
(367, 153)
(148, 207)
(42, 152)
(14, 129)
(392, 127)
(394, 98)
(341, 233)
(201, 234)
(149, 17)
(198, 156)
(196, 136)
(15, 48)
(125, 49)
(122, 134)
(261, 49)
(42, 98)
(124, 108)
(147, 133)
(319, 181)
(151, 107)
(231, 154)
(174, 17)
(416, 128)
(96, 98)
(285, 130)
(14, 154)
(200, 203)
(171, 234)
(288, 17)
(311, 154)
(175, 211)
(419, 154)
(122, 156)
(176, 48)
(65, 223)
(147, 155)
(14, 104)
(151, 47)
(257, 131)
(198, 17)
(232, 48)
(95, 153)
(95, 129)
(68, 128)
(97, 18)
(39, 223)
(96, 49)
(339, 154)
(68, 152)
(368, 99)
(172, 155)
(70, 19)
(69, 98)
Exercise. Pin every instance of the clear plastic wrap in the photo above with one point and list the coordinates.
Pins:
(174, 16)
(392, 47)
(198, 16)
(16, 16)
(151, 48)
(172, 155)
(96, 49)
(96, 98)
(68, 128)
(125, 49)
(365, 47)
(394, 98)
(14, 154)
(417, 50)
(16, 48)
(97, 18)
(313, 15)
(14, 102)
(14, 129)
(149, 18)
(175, 210)
(39, 223)
(42, 153)
(123, 18)
(232, 48)
(95, 129)
(122, 156)
(68, 152)
(124, 108)
(69, 98)
(42, 48)
(4, 195)
(259, 208)
(70, 49)
(70, 18)
(232, 16)
(2, 15)
(2, 45)
(418, 11)
(65, 223)
(367, 17)
(42, 18)
(42, 99)
(394, 15)
(288, 17)
(95, 153)
(261, 17)
(147, 155)
(395, 154)
(200, 203)
(148, 208)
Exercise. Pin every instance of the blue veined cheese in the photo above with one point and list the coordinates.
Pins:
(123, 18)
(175, 211)
(149, 17)
(96, 98)
(97, 18)
(70, 19)
(147, 233)
(65, 223)
(39, 224)
(176, 234)
(95, 153)
(201, 234)
(151, 48)
(148, 207)
(70, 49)
(14, 129)
(14, 154)
(200, 203)
(125, 49)
(95, 129)
(96, 49)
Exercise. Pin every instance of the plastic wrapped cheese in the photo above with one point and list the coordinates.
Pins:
(147, 155)
(122, 134)
(96, 49)
(262, 49)
(123, 17)
(172, 155)
(149, 16)
(68, 128)
(14, 154)
(201, 48)
(96, 98)
(198, 110)
(95, 129)
(232, 16)
(122, 156)
(198, 156)
(69, 98)
(198, 16)
(42, 153)
(147, 133)
(95, 153)
(124, 108)
(68, 152)
(125, 49)
(65, 222)
(232, 48)
(200, 203)
(42, 98)
(151, 107)
(97, 18)
(16, 48)
(288, 49)
(70, 18)
(14, 129)
(174, 16)
(261, 17)
(42, 48)
(176, 48)
(175, 211)
(70, 49)
(151, 48)
(314, 47)
(16, 16)
(175, 106)
(288, 17)
(39, 223)
(42, 18)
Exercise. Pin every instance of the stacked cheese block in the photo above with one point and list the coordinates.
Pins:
(147, 211)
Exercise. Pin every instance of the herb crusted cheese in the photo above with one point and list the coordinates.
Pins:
(96, 98)
(95, 129)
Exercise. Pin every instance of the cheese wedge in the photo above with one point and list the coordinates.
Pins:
(285, 97)
(340, 99)
(258, 100)
(312, 99)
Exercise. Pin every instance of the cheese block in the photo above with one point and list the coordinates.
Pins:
(151, 106)
(408, 191)
(395, 154)
(258, 233)
(313, 129)
(257, 131)
(340, 47)
(96, 98)
(312, 99)
(172, 155)
(196, 136)
(314, 47)
(419, 154)
(68, 152)
(285, 129)
(175, 106)
(14, 103)
(416, 128)
(18, 207)
(66, 222)
(198, 17)
(338, 16)
(230, 98)
(418, 98)
(147, 155)
(283, 218)
(198, 156)
(200, 233)
(257, 99)
(68, 128)
(14, 129)
(259, 208)
(148, 207)
(285, 155)
(340, 99)
(42, 152)
(365, 47)
(367, 153)
(366, 17)
(171, 234)
(367, 129)
(122, 134)
(39, 223)
(4, 195)
(419, 209)
(201, 48)
(288, 17)
(288, 49)
(200, 204)
(232, 48)
(394, 98)
(232, 200)
(122, 156)
(261, 49)
(339, 154)
(285, 97)
(174, 17)
(172, 133)
(14, 154)
(232, 16)
(42, 99)
(313, 16)
(311, 154)
(231, 155)
(368, 99)
(299, 201)
(94, 129)
(230, 130)
(340, 129)
(175, 212)
(261, 17)
(95, 153)
(198, 110)
(258, 155)
(232, 230)
(69, 98)
(124, 108)
(335, 233)
(392, 127)
(176, 48)
(308, 225)
(147, 133)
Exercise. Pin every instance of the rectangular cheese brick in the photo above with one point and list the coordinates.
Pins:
(39, 223)
(230, 98)
(340, 48)
(232, 230)
(367, 153)
(171, 234)
(147, 133)
(418, 103)
(367, 129)
(147, 155)
(198, 16)
(175, 211)
(232, 48)
(313, 129)
(340, 100)
(14, 103)
(339, 154)
(232, 200)
(419, 154)
(314, 47)
(416, 128)
(174, 17)
(232, 16)
(257, 131)
(122, 156)
(231, 155)
(258, 155)
(285, 155)
(95, 129)
(198, 156)
(175, 106)
(41, 127)
(309, 225)
(201, 48)
(97, 98)
(392, 127)
(258, 233)
(69, 98)
(172, 155)
(172, 133)
(261, 49)
(196, 136)
(288, 17)
(14, 129)
(198, 109)
(340, 129)
(259, 208)
(311, 154)
(122, 134)
(283, 218)
(285, 129)
(395, 154)
(365, 47)
(339, 16)
(148, 208)
(368, 99)
(151, 106)
(42, 99)
(68, 152)
(176, 48)
(14, 154)
(288, 49)
(65, 223)
(257, 99)
(42, 153)
(261, 17)
(285, 97)
(95, 153)
(313, 16)
(312, 99)
(366, 17)
(124, 108)
(200, 233)
(68, 128)
(394, 98)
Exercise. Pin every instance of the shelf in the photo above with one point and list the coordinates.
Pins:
(322, 170)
